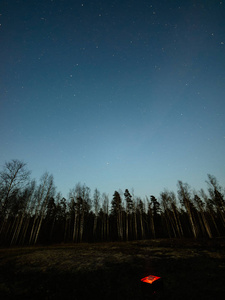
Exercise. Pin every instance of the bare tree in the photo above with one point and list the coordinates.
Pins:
(171, 213)
(176, 214)
(140, 212)
(96, 200)
(44, 192)
(201, 214)
(210, 210)
(23, 216)
(185, 199)
(74, 214)
(13, 178)
(81, 202)
(151, 224)
(217, 196)
(167, 214)
(105, 217)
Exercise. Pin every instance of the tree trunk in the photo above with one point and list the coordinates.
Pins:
(17, 231)
(38, 229)
(81, 227)
(141, 225)
(75, 228)
(135, 226)
(24, 231)
(127, 226)
(95, 226)
(177, 221)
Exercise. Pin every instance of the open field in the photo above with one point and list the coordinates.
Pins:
(190, 270)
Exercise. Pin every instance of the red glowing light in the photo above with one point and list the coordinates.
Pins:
(150, 279)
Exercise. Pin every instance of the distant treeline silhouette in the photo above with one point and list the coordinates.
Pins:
(32, 213)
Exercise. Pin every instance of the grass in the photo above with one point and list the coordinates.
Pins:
(190, 269)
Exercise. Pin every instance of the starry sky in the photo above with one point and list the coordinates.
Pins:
(114, 94)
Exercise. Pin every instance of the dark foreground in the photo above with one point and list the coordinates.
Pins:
(190, 270)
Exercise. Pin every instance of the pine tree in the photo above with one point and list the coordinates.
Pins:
(116, 211)
(129, 210)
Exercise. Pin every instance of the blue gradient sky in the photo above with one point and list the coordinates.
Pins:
(114, 94)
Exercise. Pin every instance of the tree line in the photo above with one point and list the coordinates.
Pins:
(32, 213)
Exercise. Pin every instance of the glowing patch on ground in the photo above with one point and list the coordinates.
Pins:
(150, 279)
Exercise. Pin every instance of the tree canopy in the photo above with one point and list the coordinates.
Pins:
(32, 212)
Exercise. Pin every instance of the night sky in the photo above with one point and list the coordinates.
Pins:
(114, 94)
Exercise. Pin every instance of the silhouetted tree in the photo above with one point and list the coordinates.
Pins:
(210, 210)
(31, 212)
(50, 218)
(44, 192)
(167, 214)
(116, 211)
(172, 215)
(129, 210)
(202, 216)
(150, 221)
(105, 217)
(81, 203)
(185, 199)
(156, 210)
(13, 179)
(22, 215)
(217, 197)
(61, 217)
(140, 213)
(96, 203)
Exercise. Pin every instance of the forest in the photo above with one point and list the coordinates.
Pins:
(34, 213)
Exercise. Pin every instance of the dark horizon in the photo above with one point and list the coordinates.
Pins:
(32, 213)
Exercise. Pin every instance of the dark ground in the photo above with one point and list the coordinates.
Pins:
(190, 269)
